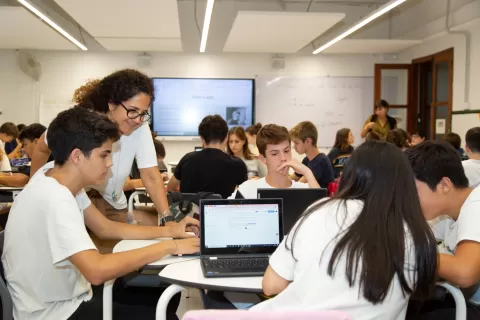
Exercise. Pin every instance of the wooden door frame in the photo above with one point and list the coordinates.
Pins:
(442, 56)
(411, 113)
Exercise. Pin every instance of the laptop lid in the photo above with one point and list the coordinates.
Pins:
(240, 226)
(295, 202)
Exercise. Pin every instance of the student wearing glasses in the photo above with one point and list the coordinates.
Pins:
(124, 96)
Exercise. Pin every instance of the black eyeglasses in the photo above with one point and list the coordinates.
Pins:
(134, 114)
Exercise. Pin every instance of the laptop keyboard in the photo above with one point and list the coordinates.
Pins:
(250, 263)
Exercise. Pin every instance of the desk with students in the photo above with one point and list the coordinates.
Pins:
(179, 272)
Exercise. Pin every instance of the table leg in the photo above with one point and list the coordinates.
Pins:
(108, 300)
(165, 298)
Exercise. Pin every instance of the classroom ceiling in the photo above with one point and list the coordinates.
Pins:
(246, 26)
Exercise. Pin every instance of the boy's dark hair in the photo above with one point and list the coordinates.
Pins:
(21, 126)
(453, 139)
(79, 128)
(398, 137)
(419, 132)
(271, 134)
(472, 139)
(159, 148)
(32, 132)
(10, 129)
(372, 136)
(114, 88)
(432, 161)
(213, 129)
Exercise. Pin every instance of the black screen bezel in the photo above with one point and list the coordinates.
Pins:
(234, 251)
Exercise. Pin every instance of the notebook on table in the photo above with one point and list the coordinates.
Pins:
(238, 236)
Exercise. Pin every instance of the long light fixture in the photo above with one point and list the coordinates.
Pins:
(377, 13)
(206, 25)
(52, 24)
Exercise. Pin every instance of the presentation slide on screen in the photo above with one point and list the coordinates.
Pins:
(181, 104)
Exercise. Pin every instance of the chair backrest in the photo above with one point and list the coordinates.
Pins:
(191, 196)
(258, 315)
(7, 304)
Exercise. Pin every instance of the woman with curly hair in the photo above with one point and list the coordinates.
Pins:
(125, 97)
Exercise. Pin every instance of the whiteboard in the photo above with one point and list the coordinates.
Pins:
(331, 103)
(461, 123)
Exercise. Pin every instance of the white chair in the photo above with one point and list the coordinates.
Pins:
(460, 304)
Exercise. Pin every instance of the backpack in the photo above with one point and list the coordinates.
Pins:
(333, 187)
(181, 207)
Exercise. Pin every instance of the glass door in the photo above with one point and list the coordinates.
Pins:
(441, 106)
(393, 83)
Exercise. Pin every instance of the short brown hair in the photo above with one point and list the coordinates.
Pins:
(451, 138)
(271, 134)
(159, 148)
(10, 129)
(305, 130)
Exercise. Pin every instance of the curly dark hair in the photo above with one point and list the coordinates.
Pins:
(115, 88)
(213, 129)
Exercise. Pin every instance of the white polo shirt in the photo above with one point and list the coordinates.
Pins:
(466, 227)
(138, 145)
(44, 229)
(311, 287)
(472, 171)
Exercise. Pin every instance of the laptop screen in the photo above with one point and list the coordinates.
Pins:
(295, 202)
(240, 226)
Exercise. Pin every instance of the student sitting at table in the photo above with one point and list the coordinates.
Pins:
(8, 137)
(49, 259)
(304, 136)
(238, 146)
(342, 150)
(472, 165)
(444, 192)
(364, 251)
(134, 181)
(29, 138)
(209, 170)
(275, 149)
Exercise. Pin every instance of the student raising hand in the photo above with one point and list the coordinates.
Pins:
(299, 168)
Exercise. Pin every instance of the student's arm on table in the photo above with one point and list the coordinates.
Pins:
(462, 268)
(14, 180)
(132, 184)
(98, 268)
(107, 229)
(40, 155)
(16, 151)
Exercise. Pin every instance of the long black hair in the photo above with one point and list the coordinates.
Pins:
(375, 244)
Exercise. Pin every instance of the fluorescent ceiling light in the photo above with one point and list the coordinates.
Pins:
(206, 25)
(377, 13)
(52, 24)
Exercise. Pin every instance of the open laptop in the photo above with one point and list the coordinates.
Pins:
(295, 202)
(238, 236)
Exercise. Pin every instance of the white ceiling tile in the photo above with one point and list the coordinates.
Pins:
(355, 46)
(277, 31)
(125, 18)
(141, 44)
(20, 29)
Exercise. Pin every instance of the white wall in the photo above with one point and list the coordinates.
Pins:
(63, 72)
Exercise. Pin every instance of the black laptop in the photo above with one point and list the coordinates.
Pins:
(295, 202)
(238, 236)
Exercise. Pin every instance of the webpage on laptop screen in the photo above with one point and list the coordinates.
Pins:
(249, 225)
